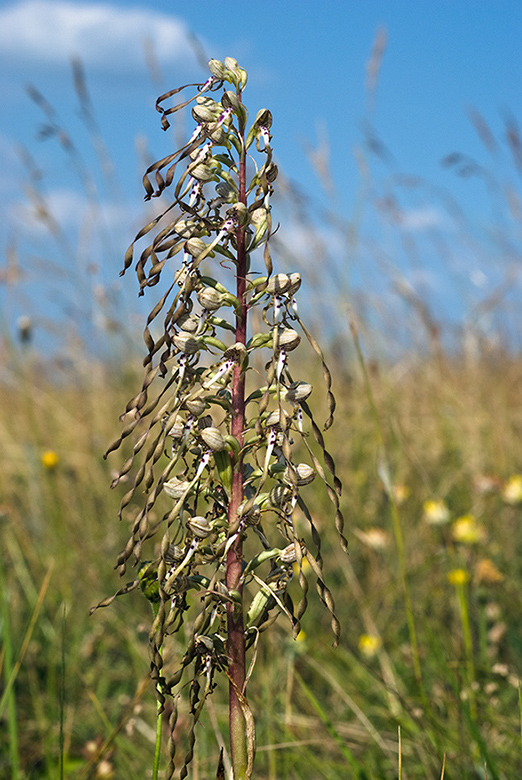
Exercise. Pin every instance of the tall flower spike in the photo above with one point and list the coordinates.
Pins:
(210, 461)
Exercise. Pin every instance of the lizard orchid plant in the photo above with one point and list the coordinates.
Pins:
(216, 488)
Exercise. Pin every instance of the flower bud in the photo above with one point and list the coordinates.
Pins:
(258, 218)
(186, 343)
(243, 77)
(176, 487)
(226, 191)
(197, 154)
(174, 554)
(176, 429)
(210, 298)
(252, 515)
(277, 419)
(230, 99)
(289, 339)
(278, 284)
(271, 172)
(259, 215)
(189, 323)
(279, 495)
(195, 246)
(288, 555)
(218, 136)
(203, 114)
(200, 526)
(213, 438)
(207, 642)
(206, 100)
(237, 352)
(242, 214)
(202, 172)
(188, 228)
(196, 406)
(299, 475)
(263, 118)
(206, 109)
(231, 64)
(217, 69)
(298, 391)
(295, 283)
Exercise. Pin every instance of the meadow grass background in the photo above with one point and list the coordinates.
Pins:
(427, 443)
(73, 684)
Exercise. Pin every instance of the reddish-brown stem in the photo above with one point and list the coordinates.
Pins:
(234, 564)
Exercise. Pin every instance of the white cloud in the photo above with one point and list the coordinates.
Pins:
(72, 211)
(308, 241)
(102, 35)
(420, 219)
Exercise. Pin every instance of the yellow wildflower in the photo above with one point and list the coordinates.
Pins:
(436, 511)
(487, 573)
(467, 531)
(458, 577)
(369, 645)
(512, 490)
(49, 459)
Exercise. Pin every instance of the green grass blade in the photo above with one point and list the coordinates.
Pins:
(157, 747)
(520, 711)
(359, 771)
(28, 634)
(62, 697)
(8, 699)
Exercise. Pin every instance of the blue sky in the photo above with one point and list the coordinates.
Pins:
(307, 62)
